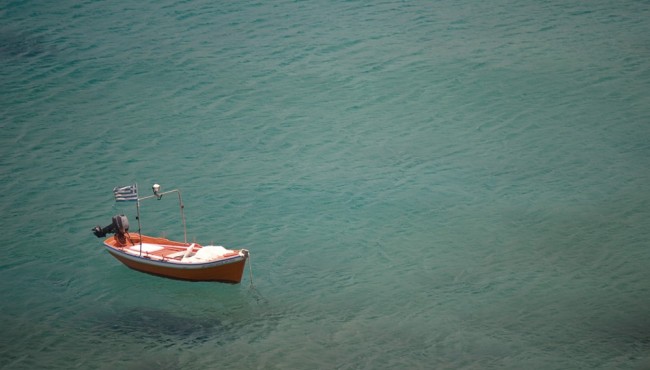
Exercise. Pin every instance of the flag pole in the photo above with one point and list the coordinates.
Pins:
(137, 217)
(182, 206)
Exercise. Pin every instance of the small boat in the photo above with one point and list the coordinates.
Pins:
(164, 257)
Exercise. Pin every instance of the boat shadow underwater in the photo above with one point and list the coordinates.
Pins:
(161, 325)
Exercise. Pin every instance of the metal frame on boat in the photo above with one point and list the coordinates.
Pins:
(164, 257)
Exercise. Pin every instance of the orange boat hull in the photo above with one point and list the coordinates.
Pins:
(227, 269)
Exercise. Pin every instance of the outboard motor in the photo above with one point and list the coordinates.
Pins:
(119, 226)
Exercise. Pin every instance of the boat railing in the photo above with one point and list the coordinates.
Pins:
(158, 195)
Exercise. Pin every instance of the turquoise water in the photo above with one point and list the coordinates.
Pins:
(421, 184)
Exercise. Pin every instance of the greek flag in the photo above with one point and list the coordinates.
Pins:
(126, 193)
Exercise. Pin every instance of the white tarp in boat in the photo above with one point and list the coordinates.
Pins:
(207, 253)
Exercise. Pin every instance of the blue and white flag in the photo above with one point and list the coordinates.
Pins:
(126, 193)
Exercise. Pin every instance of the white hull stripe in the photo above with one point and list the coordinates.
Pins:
(175, 265)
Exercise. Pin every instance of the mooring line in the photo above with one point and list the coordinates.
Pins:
(258, 296)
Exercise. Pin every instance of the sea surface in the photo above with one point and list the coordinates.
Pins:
(421, 184)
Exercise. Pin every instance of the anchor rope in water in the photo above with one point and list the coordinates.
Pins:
(250, 268)
(257, 295)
